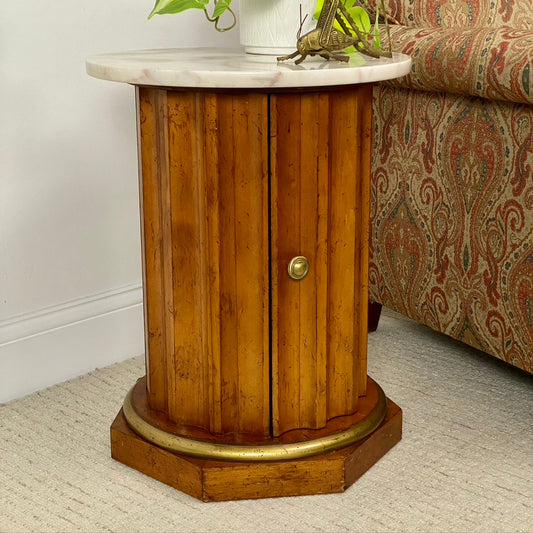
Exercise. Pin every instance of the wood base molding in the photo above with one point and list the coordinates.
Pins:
(221, 481)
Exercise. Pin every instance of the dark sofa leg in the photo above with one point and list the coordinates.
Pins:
(374, 312)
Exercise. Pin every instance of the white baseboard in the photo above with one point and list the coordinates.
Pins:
(58, 343)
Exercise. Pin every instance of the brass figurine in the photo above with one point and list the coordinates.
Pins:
(328, 42)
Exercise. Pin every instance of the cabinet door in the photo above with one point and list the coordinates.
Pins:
(204, 193)
(320, 170)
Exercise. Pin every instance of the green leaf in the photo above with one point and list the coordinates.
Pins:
(361, 19)
(377, 34)
(168, 7)
(221, 7)
(319, 6)
(359, 15)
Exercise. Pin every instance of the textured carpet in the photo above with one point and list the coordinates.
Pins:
(464, 464)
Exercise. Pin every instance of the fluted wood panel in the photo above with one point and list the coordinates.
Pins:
(320, 172)
(205, 165)
(205, 228)
(156, 240)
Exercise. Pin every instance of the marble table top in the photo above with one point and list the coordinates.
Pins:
(232, 68)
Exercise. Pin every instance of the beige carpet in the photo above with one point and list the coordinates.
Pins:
(464, 465)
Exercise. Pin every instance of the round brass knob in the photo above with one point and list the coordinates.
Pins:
(298, 267)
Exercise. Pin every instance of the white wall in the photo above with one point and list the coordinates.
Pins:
(70, 275)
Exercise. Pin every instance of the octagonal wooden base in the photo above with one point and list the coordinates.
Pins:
(220, 481)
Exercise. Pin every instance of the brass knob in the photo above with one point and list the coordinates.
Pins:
(298, 267)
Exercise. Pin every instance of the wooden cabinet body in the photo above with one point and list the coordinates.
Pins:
(233, 187)
(235, 184)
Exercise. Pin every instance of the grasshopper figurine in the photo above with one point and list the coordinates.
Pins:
(328, 42)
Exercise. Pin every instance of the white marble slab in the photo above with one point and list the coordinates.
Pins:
(229, 68)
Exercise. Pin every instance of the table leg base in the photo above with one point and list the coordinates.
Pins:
(220, 481)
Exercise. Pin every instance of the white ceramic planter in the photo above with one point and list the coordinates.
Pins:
(271, 26)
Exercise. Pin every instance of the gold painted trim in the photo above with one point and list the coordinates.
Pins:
(254, 453)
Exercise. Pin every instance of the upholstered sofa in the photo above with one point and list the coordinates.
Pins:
(452, 176)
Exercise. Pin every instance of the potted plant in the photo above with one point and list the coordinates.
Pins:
(272, 26)
(266, 26)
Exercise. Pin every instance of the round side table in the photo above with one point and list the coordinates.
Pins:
(254, 185)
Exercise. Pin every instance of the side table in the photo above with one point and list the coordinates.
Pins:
(254, 186)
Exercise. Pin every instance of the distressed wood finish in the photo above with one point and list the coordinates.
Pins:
(157, 275)
(320, 174)
(222, 481)
(205, 233)
(233, 185)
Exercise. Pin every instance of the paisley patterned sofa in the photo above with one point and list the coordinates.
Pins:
(452, 177)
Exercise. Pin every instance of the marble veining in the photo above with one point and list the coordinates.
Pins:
(232, 68)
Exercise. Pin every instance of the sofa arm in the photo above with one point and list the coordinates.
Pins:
(460, 13)
(494, 63)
